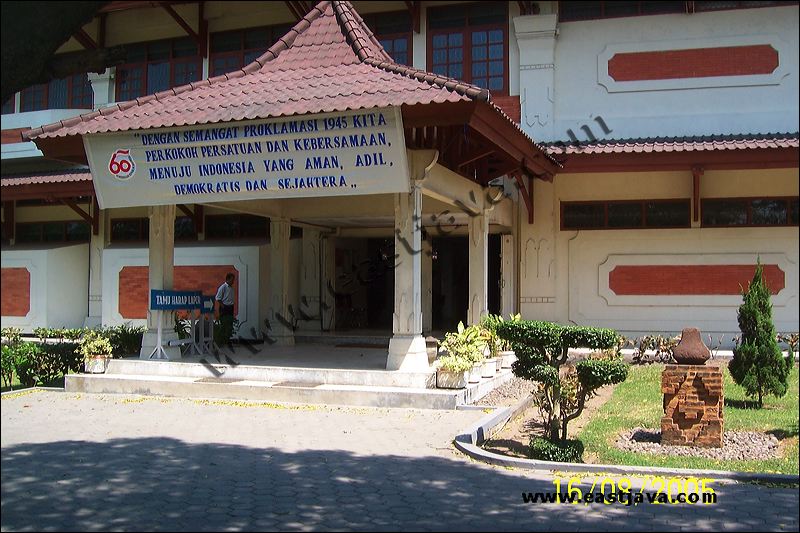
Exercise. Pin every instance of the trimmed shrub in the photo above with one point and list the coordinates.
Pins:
(758, 364)
(542, 349)
(26, 360)
(561, 451)
(7, 370)
(125, 339)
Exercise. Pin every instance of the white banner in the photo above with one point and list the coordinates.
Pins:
(332, 154)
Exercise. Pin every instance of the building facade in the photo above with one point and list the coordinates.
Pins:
(671, 128)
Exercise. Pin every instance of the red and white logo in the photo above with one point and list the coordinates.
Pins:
(121, 164)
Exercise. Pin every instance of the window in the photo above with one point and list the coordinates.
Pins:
(158, 66)
(8, 105)
(393, 30)
(138, 229)
(470, 43)
(718, 6)
(232, 50)
(571, 11)
(236, 227)
(53, 232)
(727, 212)
(130, 229)
(626, 214)
(73, 92)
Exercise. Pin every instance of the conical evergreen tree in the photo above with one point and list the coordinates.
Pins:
(758, 364)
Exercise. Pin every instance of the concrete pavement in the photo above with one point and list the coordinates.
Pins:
(107, 462)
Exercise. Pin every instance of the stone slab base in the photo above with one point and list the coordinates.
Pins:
(693, 402)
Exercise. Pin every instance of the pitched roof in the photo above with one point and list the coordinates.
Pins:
(677, 144)
(328, 62)
(63, 176)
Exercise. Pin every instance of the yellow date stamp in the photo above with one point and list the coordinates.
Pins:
(635, 490)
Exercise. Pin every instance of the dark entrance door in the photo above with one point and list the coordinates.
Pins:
(451, 280)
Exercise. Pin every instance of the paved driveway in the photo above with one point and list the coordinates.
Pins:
(91, 462)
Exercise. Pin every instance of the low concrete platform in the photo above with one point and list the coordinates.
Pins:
(317, 374)
(283, 391)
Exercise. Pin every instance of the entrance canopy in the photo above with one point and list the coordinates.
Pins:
(328, 66)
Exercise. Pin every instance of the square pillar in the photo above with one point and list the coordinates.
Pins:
(427, 286)
(508, 267)
(478, 267)
(280, 317)
(407, 350)
(310, 302)
(160, 272)
(97, 244)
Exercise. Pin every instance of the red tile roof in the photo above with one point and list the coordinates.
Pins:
(677, 144)
(63, 176)
(330, 61)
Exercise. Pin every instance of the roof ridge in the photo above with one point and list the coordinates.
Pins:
(351, 22)
(356, 31)
(676, 138)
(285, 42)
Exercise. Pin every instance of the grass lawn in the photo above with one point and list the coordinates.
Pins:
(15, 384)
(638, 403)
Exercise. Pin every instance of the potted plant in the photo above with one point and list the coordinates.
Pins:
(468, 343)
(453, 372)
(500, 349)
(96, 351)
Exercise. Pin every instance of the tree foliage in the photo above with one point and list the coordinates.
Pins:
(542, 349)
(758, 364)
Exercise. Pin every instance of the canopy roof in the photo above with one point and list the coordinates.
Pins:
(330, 61)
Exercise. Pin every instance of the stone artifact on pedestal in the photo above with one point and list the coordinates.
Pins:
(693, 396)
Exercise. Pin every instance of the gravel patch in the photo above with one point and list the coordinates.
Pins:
(736, 445)
(508, 394)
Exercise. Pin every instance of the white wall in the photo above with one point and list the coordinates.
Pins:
(59, 285)
(735, 104)
(246, 259)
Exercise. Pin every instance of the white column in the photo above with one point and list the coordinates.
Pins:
(309, 303)
(97, 244)
(508, 267)
(327, 298)
(478, 267)
(103, 87)
(407, 349)
(161, 265)
(280, 318)
(427, 286)
(536, 37)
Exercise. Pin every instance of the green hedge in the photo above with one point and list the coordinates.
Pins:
(561, 451)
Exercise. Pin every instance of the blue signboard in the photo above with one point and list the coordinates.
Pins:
(175, 300)
(208, 304)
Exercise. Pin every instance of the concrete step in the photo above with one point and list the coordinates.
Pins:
(285, 391)
(378, 341)
(275, 374)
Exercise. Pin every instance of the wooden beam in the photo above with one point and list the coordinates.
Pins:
(8, 219)
(198, 218)
(75, 207)
(182, 23)
(48, 191)
(101, 32)
(697, 172)
(202, 23)
(86, 41)
(414, 9)
(475, 156)
(526, 192)
(498, 131)
(295, 11)
(752, 158)
(186, 211)
(95, 216)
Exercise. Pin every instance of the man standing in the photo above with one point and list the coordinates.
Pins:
(225, 309)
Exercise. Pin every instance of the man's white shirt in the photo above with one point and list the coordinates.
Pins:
(225, 294)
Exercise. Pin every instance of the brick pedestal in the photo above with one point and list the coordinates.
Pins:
(693, 401)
